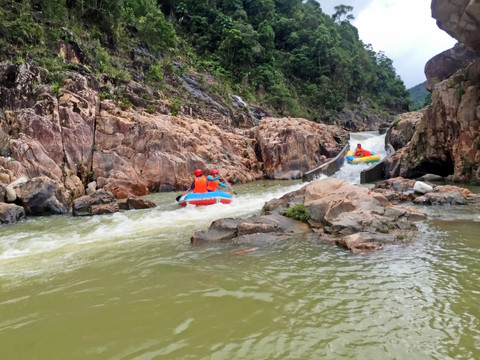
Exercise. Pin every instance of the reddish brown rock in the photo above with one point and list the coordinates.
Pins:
(139, 203)
(290, 146)
(402, 129)
(360, 243)
(100, 203)
(71, 137)
(446, 141)
(160, 152)
(356, 218)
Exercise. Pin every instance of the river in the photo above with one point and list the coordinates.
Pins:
(130, 286)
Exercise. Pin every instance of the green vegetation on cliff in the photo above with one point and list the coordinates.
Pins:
(285, 55)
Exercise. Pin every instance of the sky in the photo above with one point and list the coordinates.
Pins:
(403, 29)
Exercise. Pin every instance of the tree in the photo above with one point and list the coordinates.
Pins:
(342, 14)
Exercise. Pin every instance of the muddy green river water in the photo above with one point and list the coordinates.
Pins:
(130, 286)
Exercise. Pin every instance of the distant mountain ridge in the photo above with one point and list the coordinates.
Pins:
(418, 94)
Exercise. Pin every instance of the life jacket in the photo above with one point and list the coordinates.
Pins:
(200, 185)
(212, 185)
(362, 152)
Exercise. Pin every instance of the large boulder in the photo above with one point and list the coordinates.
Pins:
(447, 63)
(253, 231)
(11, 213)
(41, 196)
(460, 19)
(402, 129)
(99, 203)
(290, 147)
(139, 203)
(354, 217)
(346, 209)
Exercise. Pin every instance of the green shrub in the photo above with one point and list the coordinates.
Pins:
(298, 212)
(155, 73)
(105, 95)
(151, 108)
(56, 88)
(174, 106)
(124, 103)
(395, 123)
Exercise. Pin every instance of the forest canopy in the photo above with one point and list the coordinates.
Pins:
(286, 55)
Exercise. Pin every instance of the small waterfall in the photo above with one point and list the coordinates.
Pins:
(371, 141)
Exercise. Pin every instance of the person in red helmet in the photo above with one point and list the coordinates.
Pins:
(213, 180)
(360, 152)
(199, 185)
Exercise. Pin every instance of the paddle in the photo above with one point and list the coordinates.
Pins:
(226, 182)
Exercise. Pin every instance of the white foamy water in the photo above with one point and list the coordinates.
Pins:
(39, 243)
(370, 141)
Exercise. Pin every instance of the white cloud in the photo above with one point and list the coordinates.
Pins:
(405, 31)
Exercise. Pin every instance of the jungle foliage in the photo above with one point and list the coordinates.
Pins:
(286, 55)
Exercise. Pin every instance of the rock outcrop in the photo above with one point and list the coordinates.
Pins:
(460, 19)
(11, 213)
(332, 210)
(354, 217)
(132, 145)
(100, 203)
(447, 139)
(447, 63)
(289, 147)
(403, 128)
(41, 196)
(401, 190)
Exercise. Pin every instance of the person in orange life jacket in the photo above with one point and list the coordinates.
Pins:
(213, 181)
(359, 151)
(199, 185)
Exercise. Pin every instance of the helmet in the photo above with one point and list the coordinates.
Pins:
(214, 171)
(359, 145)
(198, 172)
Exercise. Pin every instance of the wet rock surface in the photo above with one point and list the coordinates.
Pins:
(356, 218)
